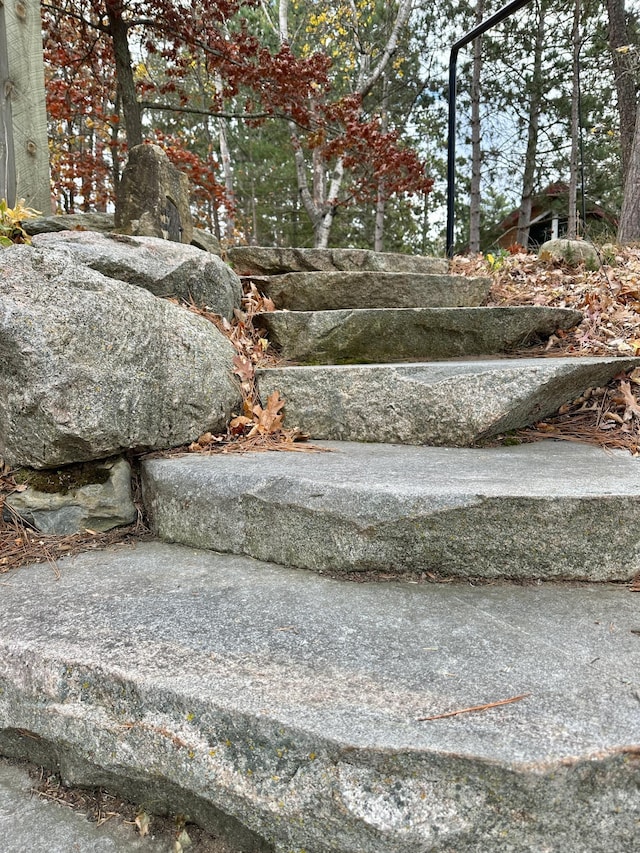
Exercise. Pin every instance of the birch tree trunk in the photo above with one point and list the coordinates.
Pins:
(476, 146)
(321, 202)
(378, 233)
(225, 158)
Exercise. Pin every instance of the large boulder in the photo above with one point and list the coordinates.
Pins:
(92, 366)
(153, 197)
(161, 266)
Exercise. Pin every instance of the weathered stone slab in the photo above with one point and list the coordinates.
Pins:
(292, 703)
(161, 266)
(326, 291)
(99, 222)
(94, 496)
(92, 366)
(153, 197)
(410, 334)
(447, 403)
(104, 223)
(251, 260)
(549, 510)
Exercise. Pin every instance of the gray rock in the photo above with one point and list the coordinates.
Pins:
(94, 496)
(205, 241)
(92, 366)
(105, 223)
(100, 222)
(249, 260)
(572, 252)
(410, 334)
(550, 510)
(325, 291)
(447, 403)
(153, 197)
(161, 266)
(292, 702)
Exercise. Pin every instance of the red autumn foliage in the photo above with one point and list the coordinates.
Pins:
(85, 102)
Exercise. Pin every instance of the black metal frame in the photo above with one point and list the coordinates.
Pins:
(481, 28)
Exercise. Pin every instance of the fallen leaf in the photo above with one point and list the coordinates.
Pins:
(142, 822)
(243, 368)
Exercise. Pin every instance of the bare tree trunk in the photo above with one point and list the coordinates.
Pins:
(476, 147)
(572, 223)
(225, 158)
(623, 64)
(323, 230)
(378, 233)
(119, 32)
(535, 102)
(629, 228)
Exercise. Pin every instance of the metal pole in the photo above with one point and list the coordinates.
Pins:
(478, 30)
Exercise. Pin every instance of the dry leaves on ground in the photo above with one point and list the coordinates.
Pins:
(260, 425)
(609, 297)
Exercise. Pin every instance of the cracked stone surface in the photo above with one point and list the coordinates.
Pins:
(548, 510)
(447, 403)
(409, 334)
(290, 702)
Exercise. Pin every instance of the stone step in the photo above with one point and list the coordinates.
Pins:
(327, 291)
(446, 403)
(409, 334)
(286, 710)
(552, 510)
(263, 260)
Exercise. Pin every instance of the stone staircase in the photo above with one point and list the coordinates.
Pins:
(294, 711)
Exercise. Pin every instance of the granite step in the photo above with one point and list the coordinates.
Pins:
(264, 260)
(287, 710)
(327, 291)
(446, 403)
(368, 335)
(552, 510)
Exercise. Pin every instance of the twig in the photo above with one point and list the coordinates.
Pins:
(474, 708)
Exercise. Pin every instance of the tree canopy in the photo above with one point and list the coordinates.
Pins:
(324, 123)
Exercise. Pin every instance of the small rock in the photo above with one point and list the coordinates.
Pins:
(92, 496)
(572, 252)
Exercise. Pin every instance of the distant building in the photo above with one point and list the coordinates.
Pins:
(549, 219)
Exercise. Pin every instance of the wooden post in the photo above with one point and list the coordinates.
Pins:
(24, 152)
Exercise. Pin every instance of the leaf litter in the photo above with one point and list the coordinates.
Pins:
(260, 425)
(609, 299)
